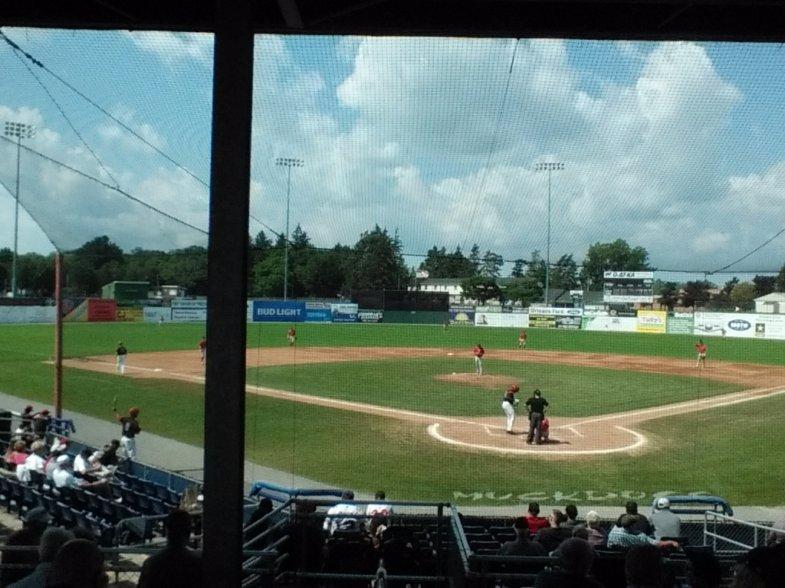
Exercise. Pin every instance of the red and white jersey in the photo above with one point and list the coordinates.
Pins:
(381, 510)
(701, 348)
(478, 351)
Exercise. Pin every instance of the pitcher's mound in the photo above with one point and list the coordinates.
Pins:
(485, 381)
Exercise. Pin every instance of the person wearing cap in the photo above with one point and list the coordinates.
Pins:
(62, 476)
(536, 405)
(121, 352)
(666, 524)
(509, 402)
(51, 541)
(35, 523)
(130, 429)
(522, 545)
(41, 422)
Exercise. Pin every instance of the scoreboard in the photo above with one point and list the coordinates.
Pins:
(628, 287)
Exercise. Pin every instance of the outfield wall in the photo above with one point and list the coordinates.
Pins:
(27, 314)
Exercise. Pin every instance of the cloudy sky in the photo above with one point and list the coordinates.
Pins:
(678, 147)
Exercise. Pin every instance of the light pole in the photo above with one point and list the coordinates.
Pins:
(20, 131)
(549, 167)
(289, 163)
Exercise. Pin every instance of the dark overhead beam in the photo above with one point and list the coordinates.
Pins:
(291, 14)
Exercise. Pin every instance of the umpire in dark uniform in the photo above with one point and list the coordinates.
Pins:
(536, 405)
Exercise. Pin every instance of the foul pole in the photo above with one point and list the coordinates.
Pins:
(58, 380)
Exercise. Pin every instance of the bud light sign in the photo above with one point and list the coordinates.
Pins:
(278, 311)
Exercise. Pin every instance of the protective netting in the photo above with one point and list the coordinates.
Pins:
(676, 147)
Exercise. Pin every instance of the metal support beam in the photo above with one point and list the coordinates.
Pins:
(224, 404)
(58, 383)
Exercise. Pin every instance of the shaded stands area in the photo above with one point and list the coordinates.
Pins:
(433, 544)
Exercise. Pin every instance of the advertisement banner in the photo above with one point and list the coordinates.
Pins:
(727, 324)
(370, 316)
(501, 319)
(27, 314)
(555, 311)
(680, 323)
(770, 326)
(189, 314)
(555, 317)
(284, 311)
(539, 321)
(99, 309)
(156, 314)
(462, 316)
(133, 315)
(652, 321)
(609, 323)
(188, 303)
(318, 315)
(344, 312)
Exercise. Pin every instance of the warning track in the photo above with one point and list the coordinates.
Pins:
(570, 437)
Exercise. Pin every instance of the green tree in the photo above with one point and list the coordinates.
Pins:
(743, 295)
(35, 274)
(435, 263)
(696, 293)
(481, 289)
(267, 274)
(564, 273)
(669, 295)
(781, 280)
(525, 290)
(475, 259)
(378, 264)
(617, 255)
(299, 238)
(518, 269)
(764, 285)
(325, 273)
(491, 264)
(536, 269)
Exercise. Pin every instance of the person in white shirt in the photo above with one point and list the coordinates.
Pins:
(81, 464)
(33, 463)
(342, 516)
(62, 476)
(379, 509)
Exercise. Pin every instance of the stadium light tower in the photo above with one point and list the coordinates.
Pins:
(288, 163)
(550, 167)
(19, 131)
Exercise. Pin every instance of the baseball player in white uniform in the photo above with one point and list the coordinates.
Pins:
(509, 402)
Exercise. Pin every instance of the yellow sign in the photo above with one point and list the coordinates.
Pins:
(133, 315)
(652, 321)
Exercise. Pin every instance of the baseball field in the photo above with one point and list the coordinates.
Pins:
(399, 406)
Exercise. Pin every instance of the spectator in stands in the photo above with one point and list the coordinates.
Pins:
(34, 463)
(78, 564)
(572, 515)
(130, 429)
(17, 454)
(666, 524)
(264, 508)
(624, 535)
(109, 456)
(778, 535)
(62, 476)
(51, 463)
(597, 535)
(51, 540)
(762, 567)
(177, 565)
(575, 559)
(87, 467)
(643, 567)
(35, 522)
(704, 570)
(581, 532)
(533, 518)
(552, 536)
(522, 545)
(305, 544)
(380, 506)
(641, 522)
(41, 422)
(348, 519)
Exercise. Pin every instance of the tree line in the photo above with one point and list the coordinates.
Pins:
(374, 262)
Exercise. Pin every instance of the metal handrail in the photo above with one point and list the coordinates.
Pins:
(715, 516)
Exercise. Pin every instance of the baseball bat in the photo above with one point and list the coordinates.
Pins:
(114, 404)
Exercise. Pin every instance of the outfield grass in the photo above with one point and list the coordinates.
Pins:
(409, 384)
(82, 339)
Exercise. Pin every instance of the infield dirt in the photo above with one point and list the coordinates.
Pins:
(570, 437)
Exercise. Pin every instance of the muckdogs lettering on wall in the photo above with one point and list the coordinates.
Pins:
(590, 497)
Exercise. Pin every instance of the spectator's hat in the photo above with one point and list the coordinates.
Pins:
(62, 460)
(663, 503)
(592, 516)
(38, 515)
